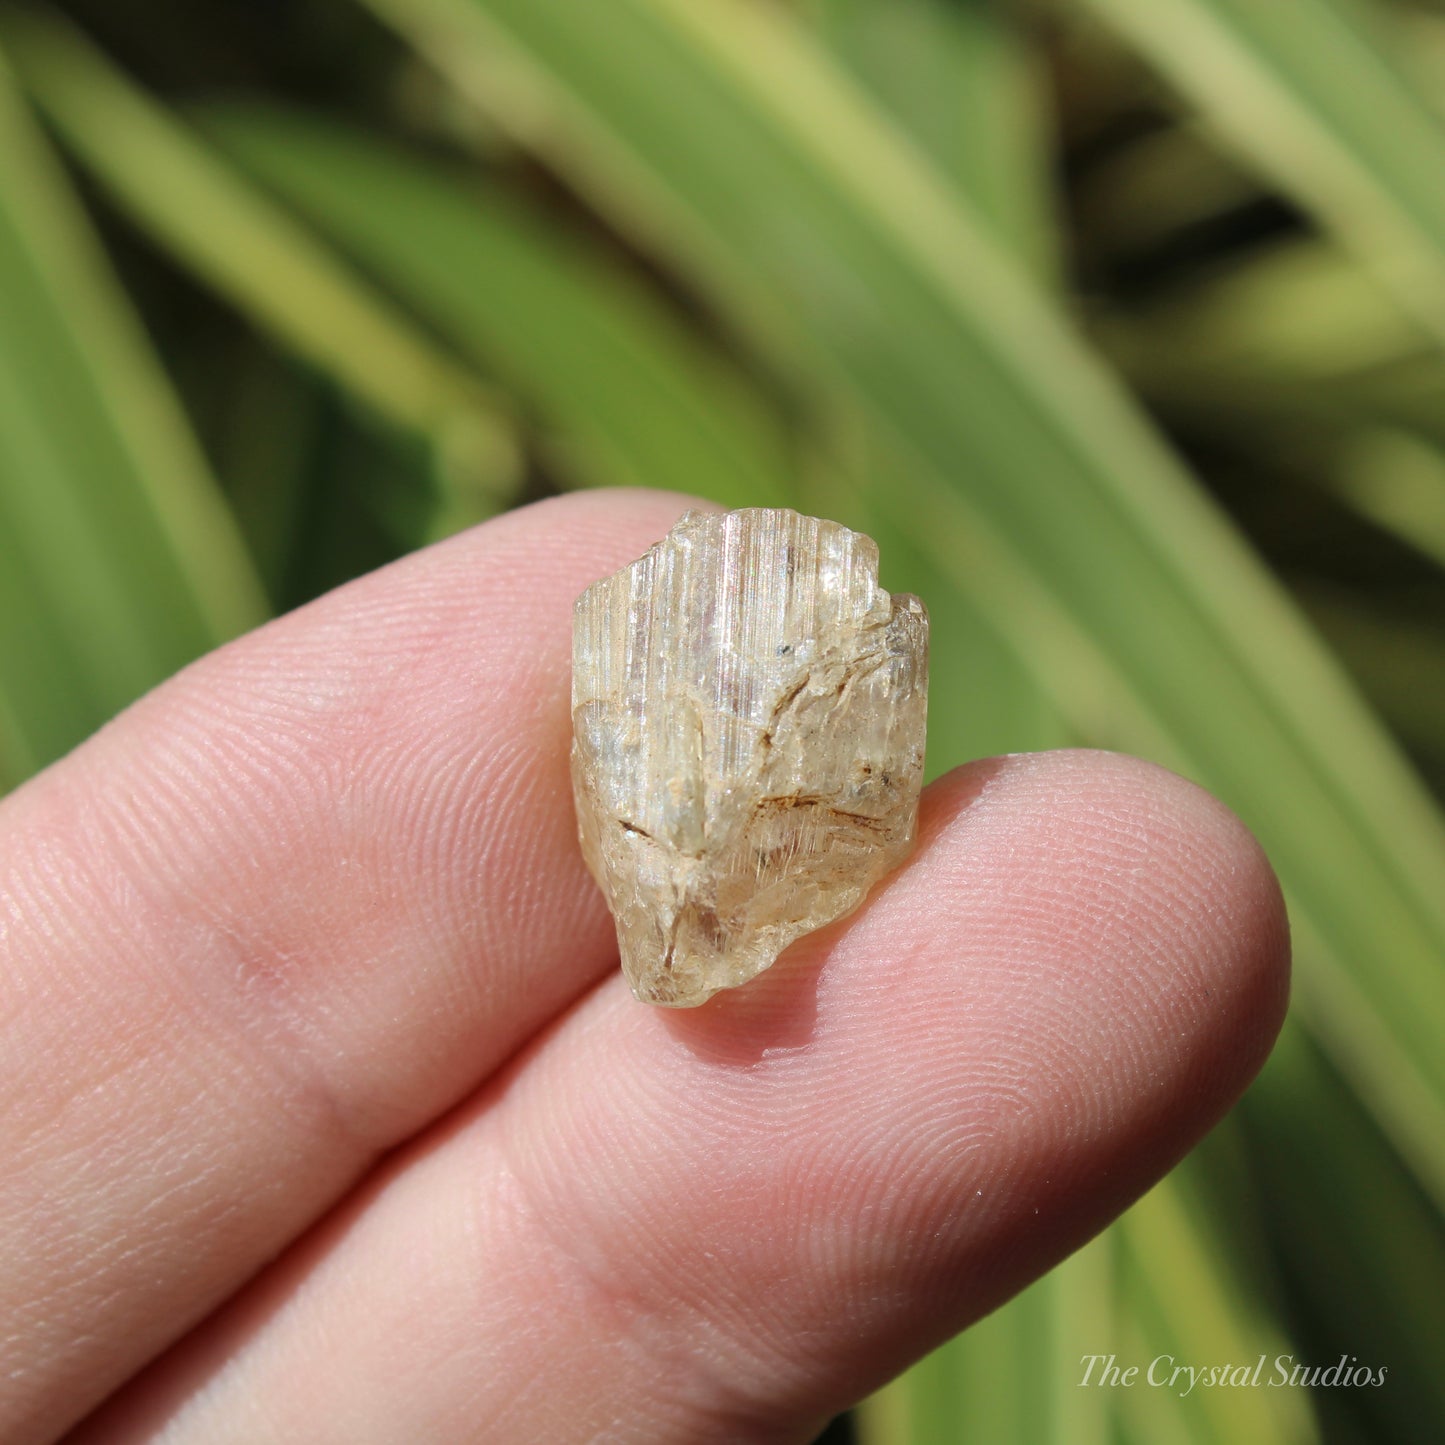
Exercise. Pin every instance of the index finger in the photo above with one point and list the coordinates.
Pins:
(279, 915)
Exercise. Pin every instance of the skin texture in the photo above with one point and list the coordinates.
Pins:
(325, 1115)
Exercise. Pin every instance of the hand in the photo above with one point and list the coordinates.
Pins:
(327, 1115)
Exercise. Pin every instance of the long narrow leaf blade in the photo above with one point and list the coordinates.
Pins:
(1307, 90)
(241, 243)
(121, 559)
(958, 77)
(632, 397)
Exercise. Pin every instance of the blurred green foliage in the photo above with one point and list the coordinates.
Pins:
(1121, 326)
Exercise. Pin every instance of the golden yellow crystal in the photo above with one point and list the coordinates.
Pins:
(748, 712)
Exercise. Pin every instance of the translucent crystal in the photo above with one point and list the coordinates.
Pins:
(748, 716)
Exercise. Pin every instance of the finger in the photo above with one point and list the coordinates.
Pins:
(280, 914)
(729, 1224)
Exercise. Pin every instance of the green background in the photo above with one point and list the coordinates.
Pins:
(1120, 324)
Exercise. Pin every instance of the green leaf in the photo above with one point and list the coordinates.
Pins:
(1308, 92)
(1205, 1313)
(769, 179)
(957, 75)
(1295, 346)
(1015, 1375)
(1362, 1248)
(1301, 311)
(119, 558)
(960, 80)
(187, 199)
(631, 396)
(1396, 479)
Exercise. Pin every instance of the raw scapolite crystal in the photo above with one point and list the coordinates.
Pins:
(748, 713)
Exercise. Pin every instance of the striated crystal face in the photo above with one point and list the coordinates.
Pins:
(748, 714)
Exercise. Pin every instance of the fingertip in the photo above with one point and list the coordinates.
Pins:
(1208, 911)
(1146, 912)
(1097, 967)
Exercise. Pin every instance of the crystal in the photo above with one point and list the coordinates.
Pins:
(748, 713)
